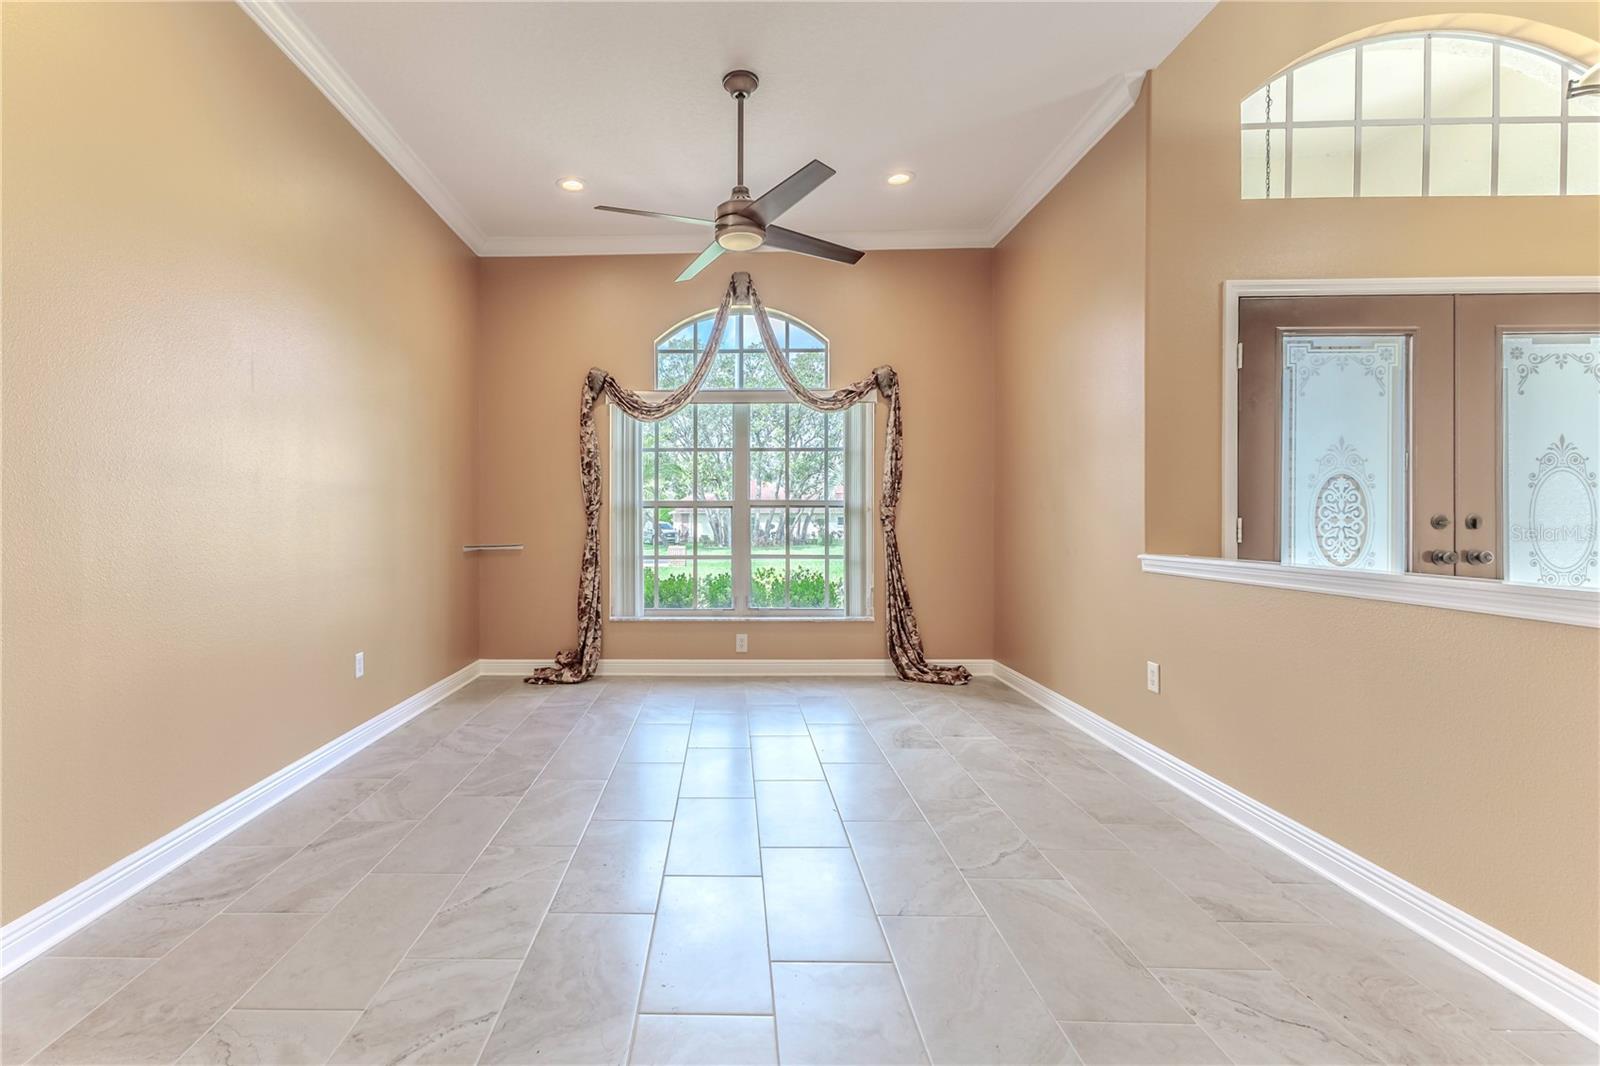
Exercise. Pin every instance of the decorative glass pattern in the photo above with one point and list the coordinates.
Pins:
(1344, 451)
(1551, 390)
(1434, 114)
(742, 362)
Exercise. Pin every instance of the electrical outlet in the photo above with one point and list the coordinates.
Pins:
(1152, 676)
(741, 642)
(361, 663)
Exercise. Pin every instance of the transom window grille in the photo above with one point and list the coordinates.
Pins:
(744, 504)
(1432, 114)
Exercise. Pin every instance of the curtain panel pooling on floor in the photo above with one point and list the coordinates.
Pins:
(904, 641)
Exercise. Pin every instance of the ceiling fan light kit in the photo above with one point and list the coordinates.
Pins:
(742, 224)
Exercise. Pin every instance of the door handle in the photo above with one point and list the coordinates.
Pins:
(1479, 558)
(1442, 558)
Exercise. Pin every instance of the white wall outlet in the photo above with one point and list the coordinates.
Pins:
(741, 642)
(1152, 676)
(361, 663)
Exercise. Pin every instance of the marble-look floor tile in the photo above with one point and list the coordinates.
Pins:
(797, 814)
(827, 710)
(709, 952)
(169, 1006)
(431, 1010)
(574, 999)
(656, 743)
(785, 759)
(271, 1038)
(1435, 968)
(449, 840)
(1273, 864)
(496, 909)
(585, 757)
(1397, 1018)
(983, 841)
(947, 722)
(616, 869)
(971, 1000)
(1564, 1048)
(536, 739)
(704, 1040)
(43, 999)
(502, 774)
(472, 741)
(715, 837)
(345, 957)
(1111, 801)
(907, 870)
(552, 813)
(717, 773)
(304, 816)
(1225, 888)
(715, 729)
(641, 792)
(818, 908)
(902, 734)
(777, 722)
(1078, 965)
(933, 776)
(409, 797)
(1144, 1044)
(385, 759)
(1049, 819)
(1162, 925)
(155, 919)
(990, 761)
(867, 792)
(837, 743)
(319, 874)
(1255, 1016)
(843, 1013)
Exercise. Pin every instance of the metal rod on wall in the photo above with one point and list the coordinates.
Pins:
(491, 547)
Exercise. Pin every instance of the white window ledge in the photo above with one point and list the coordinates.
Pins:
(1570, 607)
(762, 619)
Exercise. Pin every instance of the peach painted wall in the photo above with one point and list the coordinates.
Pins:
(1457, 750)
(237, 429)
(545, 322)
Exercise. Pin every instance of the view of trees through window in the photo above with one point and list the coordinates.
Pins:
(744, 504)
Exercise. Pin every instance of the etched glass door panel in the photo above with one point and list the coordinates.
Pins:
(1551, 464)
(1343, 469)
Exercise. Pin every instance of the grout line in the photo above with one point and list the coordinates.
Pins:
(362, 879)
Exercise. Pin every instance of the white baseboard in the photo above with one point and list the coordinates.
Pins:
(729, 667)
(51, 922)
(1541, 980)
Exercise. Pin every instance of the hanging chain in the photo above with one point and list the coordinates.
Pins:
(1268, 133)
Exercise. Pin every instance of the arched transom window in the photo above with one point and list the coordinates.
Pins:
(1428, 114)
(744, 504)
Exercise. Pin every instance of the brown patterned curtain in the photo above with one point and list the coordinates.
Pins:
(905, 643)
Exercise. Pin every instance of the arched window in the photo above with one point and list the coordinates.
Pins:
(1421, 114)
(745, 504)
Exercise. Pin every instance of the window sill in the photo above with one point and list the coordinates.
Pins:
(1571, 607)
(758, 619)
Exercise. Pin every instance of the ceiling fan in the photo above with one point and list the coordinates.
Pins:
(743, 224)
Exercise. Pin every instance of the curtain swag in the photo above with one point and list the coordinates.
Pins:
(905, 643)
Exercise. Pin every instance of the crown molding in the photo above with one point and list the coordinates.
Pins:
(1114, 99)
(284, 27)
(866, 240)
(279, 22)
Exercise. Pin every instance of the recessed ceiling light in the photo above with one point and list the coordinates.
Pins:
(570, 184)
(901, 177)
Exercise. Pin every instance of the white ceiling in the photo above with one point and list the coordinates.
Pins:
(483, 106)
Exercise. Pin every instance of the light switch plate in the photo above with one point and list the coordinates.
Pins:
(1152, 676)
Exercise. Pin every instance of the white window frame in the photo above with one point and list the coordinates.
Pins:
(627, 502)
(1570, 69)
(1578, 607)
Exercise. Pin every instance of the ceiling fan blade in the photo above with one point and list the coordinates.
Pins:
(788, 192)
(701, 261)
(789, 241)
(656, 214)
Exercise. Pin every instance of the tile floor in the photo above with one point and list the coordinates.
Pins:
(807, 871)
